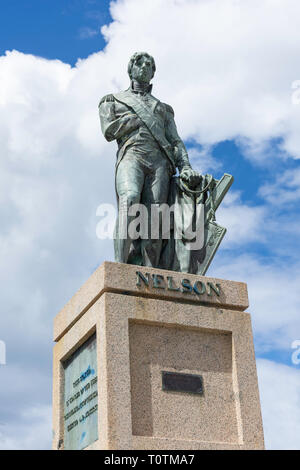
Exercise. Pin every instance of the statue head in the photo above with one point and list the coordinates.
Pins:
(141, 67)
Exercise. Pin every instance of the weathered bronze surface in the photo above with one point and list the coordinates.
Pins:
(149, 153)
(178, 382)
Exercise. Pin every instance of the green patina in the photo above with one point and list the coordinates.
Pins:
(149, 153)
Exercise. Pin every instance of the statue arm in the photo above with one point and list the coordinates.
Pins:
(187, 174)
(112, 126)
(180, 152)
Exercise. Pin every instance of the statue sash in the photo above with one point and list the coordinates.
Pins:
(147, 116)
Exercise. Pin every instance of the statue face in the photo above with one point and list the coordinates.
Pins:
(142, 70)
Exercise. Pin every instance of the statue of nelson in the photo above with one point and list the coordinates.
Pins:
(149, 152)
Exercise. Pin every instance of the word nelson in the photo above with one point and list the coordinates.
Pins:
(157, 281)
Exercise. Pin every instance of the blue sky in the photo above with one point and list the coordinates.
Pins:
(229, 77)
(58, 29)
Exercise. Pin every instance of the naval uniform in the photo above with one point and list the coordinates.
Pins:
(149, 151)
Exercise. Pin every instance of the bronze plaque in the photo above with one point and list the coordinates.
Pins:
(178, 382)
(81, 397)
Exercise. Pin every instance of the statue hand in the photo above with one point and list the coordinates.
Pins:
(131, 122)
(191, 177)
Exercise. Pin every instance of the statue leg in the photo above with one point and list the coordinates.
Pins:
(129, 184)
(155, 193)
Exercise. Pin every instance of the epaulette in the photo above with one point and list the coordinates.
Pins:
(107, 99)
(169, 109)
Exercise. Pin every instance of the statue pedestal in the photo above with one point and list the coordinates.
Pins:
(154, 359)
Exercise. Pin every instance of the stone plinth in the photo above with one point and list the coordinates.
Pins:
(122, 331)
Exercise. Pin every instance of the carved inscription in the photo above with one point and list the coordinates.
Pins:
(81, 397)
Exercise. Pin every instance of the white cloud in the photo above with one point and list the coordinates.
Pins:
(231, 71)
(202, 160)
(34, 430)
(225, 66)
(286, 188)
(280, 400)
(241, 221)
(273, 296)
(86, 32)
(25, 397)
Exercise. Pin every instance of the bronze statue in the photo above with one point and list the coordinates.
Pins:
(149, 153)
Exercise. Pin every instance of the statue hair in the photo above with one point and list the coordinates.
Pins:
(138, 55)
